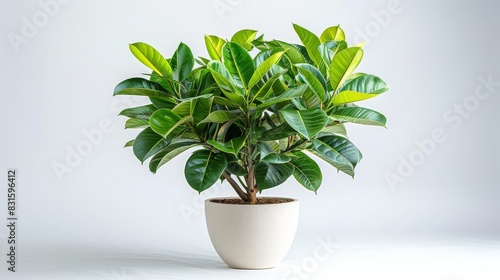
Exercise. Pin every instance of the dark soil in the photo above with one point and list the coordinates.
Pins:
(260, 200)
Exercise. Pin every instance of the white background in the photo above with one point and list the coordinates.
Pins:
(108, 217)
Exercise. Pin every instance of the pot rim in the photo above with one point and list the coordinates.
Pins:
(292, 200)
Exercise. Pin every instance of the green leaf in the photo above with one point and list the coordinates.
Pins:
(150, 57)
(214, 46)
(333, 33)
(312, 43)
(360, 115)
(269, 175)
(129, 143)
(276, 158)
(204, 168)
(170, 152)
(360, 88)
(338, 129)
(232, 146)
(136, 123)
(330, 48)
(140, 86)
(343, 64)
(141, 112)
(148, 143)
(226, 82)
(220, 116)
(225, 102)
(182, 109)
(292, 93)
(235, 168)
(238, 62)
(263, 68)
(306, 122)
(165, 122)
(244, 38)
(200, 109)
(280, 132)
(306, 171)
(182, 62)
(338, 151)
(314, 79)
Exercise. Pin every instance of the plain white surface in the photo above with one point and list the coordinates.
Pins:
(322, 259)
(57, 88)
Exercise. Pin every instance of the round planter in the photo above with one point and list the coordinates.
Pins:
(252, 236)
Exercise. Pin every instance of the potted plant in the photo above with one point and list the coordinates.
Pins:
(256, 109)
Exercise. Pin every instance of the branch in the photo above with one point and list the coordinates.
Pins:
(235, 186)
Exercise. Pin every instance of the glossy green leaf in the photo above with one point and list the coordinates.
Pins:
(182, 109)
(359, 115)
(276, 158)
(204, 168)
(338, 151)
(244, 38)
(136, 123)
(343, 64)
(280, 132)
(238, 62)
(232, 146)
(200, 109)
(214, 46)
(311, 43)
(330, 48)
(263, 68)
(226, 82)
(141, 112)
(220, 116)
(314, 79)
(338, 129)
(174, 149)
(306, 171)
(129, 143)
(182, 62)
(150, 57)
(306, 122)
(269, 175)
(360, 88)
(333, 33)
(292, 93)
(165, 122)
(148, 143)
(140, 86)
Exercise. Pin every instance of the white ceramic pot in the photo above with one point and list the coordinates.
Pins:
(252, 236)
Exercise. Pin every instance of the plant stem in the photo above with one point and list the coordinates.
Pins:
(235, 186)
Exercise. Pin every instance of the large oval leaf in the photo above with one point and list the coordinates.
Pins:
(269, 175)
(150, 57)
(244, 38)
(306, 171)
(204, 168)
(170, 152)
(333, 33)
(306, 122)
(363, 87)
(312, 43)
(343, 64)
(338, 151)
(313, 77)
(140, 86)
(148, 143)
(238, 62)
(214, 46)
(141, 112)
(182, 62)
(220, 116)
(359, 115)
(264, 67)
(165, 122)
